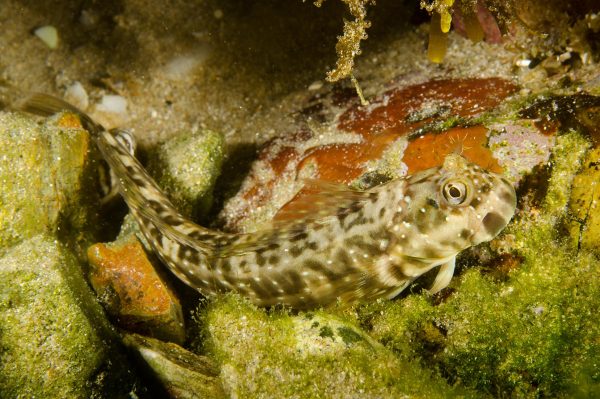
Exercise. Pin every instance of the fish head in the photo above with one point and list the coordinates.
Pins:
(488, 201)
(454, 206)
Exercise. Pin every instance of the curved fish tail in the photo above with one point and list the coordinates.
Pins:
(46, 105)
(141, 193)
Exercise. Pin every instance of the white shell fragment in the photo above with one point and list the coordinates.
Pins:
(48, 34)
(112, 104)
(183, 66)
(316, 85)
(76, 95)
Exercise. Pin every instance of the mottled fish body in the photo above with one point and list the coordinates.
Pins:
(346, 245)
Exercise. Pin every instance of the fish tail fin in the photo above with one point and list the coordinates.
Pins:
(46, 105)
(140, 191)
(137, 187)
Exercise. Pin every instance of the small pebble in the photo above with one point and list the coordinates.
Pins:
(184, 65)
(48, 34)
(316, 85)
(523, 63)
(113, 104)
(88, 19)
(76, 95)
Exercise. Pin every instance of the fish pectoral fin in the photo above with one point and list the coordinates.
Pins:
(444, 276)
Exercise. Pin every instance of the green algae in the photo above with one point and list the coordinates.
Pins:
(522, 337)
(348, 335)
(187, 167)
(325, 331)
(534, 335)
(275, 354)
(47, 180)
(54, 338)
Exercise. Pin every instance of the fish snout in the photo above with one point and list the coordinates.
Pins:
(497, 214)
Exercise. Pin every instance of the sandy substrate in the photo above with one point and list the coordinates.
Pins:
(179, 65)
(241, 68)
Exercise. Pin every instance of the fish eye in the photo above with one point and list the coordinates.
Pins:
(455, 192)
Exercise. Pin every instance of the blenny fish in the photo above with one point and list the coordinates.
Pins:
(349, 246)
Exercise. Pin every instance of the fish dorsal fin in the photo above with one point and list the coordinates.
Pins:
(316, 200)
(322, 199)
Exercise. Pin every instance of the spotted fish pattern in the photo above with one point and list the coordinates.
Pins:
(344, 245)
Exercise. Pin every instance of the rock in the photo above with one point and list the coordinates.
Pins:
(520, 147)
(187, 167)
(579, 111)
(77, 95)
(133, 292)
(408, 128)
(49, 35)
(55, 340)
(183, 374)
(310, 355)
(584, 221)
(48, 180)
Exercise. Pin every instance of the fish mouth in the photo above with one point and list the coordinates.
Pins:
(495, 216)
(508, 195)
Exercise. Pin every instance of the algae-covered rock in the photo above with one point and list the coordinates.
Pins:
(182, 373)
(309, 355)
(54, 339)
(533, 335)
(544, 334)
(187, 167)
(46, 178)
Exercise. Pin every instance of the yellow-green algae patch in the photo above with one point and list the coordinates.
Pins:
(567, 157)
(275, 354)
(584, 218)
(534, 334)
(186, 167)
(54, 339)
(46, 179)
